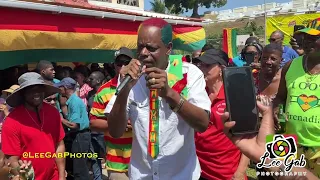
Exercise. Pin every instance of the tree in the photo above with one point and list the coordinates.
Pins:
(182, 6)
(159, 6)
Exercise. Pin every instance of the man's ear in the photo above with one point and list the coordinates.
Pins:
(169, 47)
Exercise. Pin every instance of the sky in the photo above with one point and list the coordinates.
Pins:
(230, 5)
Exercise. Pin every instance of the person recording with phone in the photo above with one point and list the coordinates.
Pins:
(219, 158)
(254, 146)
(166, 102)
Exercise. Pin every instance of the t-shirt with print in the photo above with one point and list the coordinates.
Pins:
(302, 106)
(219, 157)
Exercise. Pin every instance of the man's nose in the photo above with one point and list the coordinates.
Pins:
(144, 52)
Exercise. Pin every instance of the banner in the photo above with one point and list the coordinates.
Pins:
(286, 23)
(37, 35)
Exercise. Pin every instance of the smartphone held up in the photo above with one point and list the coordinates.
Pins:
(240, 98)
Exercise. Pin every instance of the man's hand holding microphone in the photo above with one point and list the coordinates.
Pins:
(155, 78)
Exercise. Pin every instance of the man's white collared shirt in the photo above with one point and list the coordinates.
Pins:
(177, 159)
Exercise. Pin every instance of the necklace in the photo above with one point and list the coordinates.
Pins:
(41, 127)
(309, 76)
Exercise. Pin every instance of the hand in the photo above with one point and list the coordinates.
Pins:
(239, 176)
(64, 177)
(276, 119)
(293, 43)
(26, 169)
(4, 166)
(157, 79)
(133, 69)
(129, 127)
(255, 65)
(4, 109)
(296, 47)
(253, 146)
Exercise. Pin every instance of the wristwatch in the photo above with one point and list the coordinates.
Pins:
(178, 107)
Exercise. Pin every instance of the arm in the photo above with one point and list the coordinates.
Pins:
(69, 124)
(282, 90)
(195, 110)
(196, 117)
(74, 121)
(98, 120)
(60, 148)
(99, 125)
(63, 105)
(117, 113)
(61, 162)
(242, 167)
(11, 144)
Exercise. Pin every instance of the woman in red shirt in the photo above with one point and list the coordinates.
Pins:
(219, 158)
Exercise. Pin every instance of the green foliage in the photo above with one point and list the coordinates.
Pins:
(215, 40)
(251, 27)
(159, 6)
(182, 6)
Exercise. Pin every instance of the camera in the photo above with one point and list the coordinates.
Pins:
(281, 147)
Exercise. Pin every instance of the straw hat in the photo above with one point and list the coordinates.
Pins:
(11, 89)
(27, 80)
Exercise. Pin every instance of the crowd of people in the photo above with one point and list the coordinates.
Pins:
(169, 122)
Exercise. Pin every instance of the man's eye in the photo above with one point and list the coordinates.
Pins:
(151, 49)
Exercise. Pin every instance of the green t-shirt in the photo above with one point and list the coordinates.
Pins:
(302, 106)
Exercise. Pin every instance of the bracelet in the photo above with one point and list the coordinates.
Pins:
(177, 108)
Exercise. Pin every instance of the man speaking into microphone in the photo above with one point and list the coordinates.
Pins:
(165, 102)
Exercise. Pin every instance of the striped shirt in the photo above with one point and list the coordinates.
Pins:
(119, 149)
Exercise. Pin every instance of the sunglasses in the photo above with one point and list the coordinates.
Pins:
(121, 63)
(272, 40)
(253, 53)
(50, 99)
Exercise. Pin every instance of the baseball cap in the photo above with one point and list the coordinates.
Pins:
(67, 83)
(252, 40)
(214, 56)
(123, 51)
(313, 28)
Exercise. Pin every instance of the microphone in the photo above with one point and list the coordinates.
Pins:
(125, 81)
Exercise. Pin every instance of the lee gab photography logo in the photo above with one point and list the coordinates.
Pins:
(281, 149)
